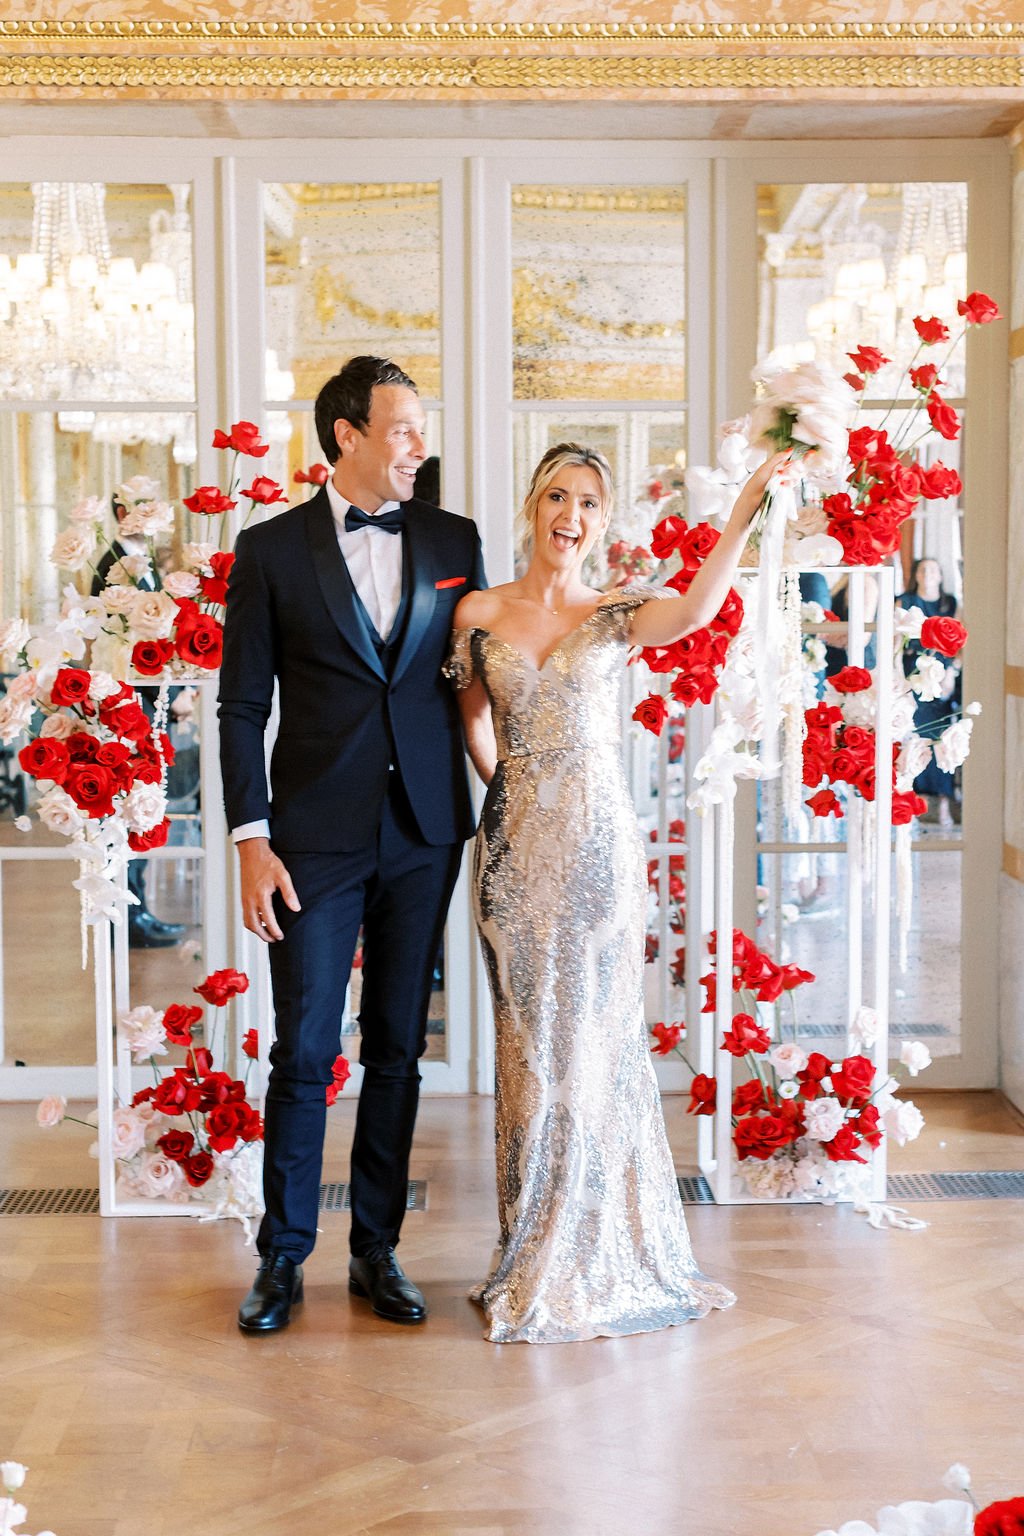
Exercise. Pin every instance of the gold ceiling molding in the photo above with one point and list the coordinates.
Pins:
(600, 199)
(184, 59)
(313, 193)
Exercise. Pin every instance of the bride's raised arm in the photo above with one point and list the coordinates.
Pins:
(664, 620)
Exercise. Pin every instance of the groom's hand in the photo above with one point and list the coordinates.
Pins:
(262, 875)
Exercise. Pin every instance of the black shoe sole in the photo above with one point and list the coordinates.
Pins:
(297, 1301)
(389, 1317)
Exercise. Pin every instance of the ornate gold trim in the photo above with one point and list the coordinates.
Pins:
(198, 74)
(515, 31)
(600, 199)
(1013, 862)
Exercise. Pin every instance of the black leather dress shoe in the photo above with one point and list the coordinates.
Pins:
(276, 1289)
(381, 1280)
(147, 932)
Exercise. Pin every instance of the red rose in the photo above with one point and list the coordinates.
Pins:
(703, 1095)
(220, 1088)
(222, 985)
(224, 1125)
(176, 1095)
(1003, 1518)
(178, 1021)
(793, 976)
(867, 1126)
(852, 1079)
(71, 686)
(745, 1035)
(825, 803)
(854, 380)
(905, 806)
(156, 837)
(652, 713)
(696, 544)
(83, 748)
(843, 1146)
(264, 491)
(689, 688)
(340, 1074)
(215, 588)
(946, 635)
(200, 1059)
(251, 1044)
(710, 985)
(244, 437)
(316, 474)
(851, 680)
(208, 500)
(931, 331)
(761, 1135)
(868, 359)
(823, 717)
(200, 642)
(867, 445)
(177, 1145)
(748, 1098)
(978, 309)
(92, 788)
(943, 417)
(667, 536)
(730, 616)
(818, 1067)
(924, 378)
(127, 720)
(198, 1168)
(668, 1037)
(939, 482)
(45, 758)
(151, 656)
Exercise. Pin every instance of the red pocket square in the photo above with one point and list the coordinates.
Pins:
(450, 581)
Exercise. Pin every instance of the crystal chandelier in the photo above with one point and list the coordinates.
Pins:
(80, 324)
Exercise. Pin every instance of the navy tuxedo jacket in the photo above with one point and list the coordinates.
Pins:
(346, 714)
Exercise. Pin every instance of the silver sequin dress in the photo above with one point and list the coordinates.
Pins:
(593, 1236)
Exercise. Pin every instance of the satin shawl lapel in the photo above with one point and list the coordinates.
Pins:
(335, 583)
(422, 592)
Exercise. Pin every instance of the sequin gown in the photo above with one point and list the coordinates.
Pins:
(593, 1236)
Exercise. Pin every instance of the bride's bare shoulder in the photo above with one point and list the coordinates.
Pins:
(482, 608)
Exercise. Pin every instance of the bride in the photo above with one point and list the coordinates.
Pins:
(593, 1236)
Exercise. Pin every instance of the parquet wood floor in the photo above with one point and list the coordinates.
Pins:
(856, 1366)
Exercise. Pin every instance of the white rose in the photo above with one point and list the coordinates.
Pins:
(112, 655)
(149, 518)
(974, 708)
(59, 812)
(91, 510)
(181, 584)
(128, 1133)
(14, 636)
(196, 557)
(915, 755)
(957, 1478)
(51, 1111)
(812, 613)
(152, 615)
(909, 622)
(12, 1475)
(15, 717)
(73, 549)
(927, 678)
(142, 1031)
(823, 1118)
(953, 745)
(138, 488)
(118, 599)
(133, 568)
(864, 1029)
(903, 1122)
(159, 1176)
(788, 1059)
(24, 686)
(144, 807)
(904, 707)
(915, 1056)
(102, 686)
(59, 727)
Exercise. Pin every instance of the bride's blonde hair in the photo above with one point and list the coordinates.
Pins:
(562, 456)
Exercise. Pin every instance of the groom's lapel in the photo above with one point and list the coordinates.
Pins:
(422, 591)
(335, 583)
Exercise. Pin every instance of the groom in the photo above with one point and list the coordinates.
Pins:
(346, 603)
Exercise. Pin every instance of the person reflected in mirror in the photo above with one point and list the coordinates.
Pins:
(926, 592)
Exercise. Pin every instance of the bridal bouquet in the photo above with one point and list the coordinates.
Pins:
(801, 1122)
(163, 624)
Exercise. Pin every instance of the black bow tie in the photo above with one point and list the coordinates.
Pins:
(388, 522)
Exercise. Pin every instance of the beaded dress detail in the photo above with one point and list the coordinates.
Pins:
(593, 1236)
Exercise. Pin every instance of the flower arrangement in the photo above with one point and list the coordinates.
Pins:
(162, 625)
(12, 1513)
(799, 1120)
(946, 1517)
(191, 1134)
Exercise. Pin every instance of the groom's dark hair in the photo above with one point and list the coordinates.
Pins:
(346, 397)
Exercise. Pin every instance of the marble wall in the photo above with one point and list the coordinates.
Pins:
(1011, 1021)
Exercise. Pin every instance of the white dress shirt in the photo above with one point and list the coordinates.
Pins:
(374, 560)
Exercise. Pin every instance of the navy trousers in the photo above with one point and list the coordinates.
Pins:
(398, 889)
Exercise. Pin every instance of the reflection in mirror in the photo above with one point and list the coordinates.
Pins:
(96, 292)
(845, 264)
(351, 268)
(295, 450)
